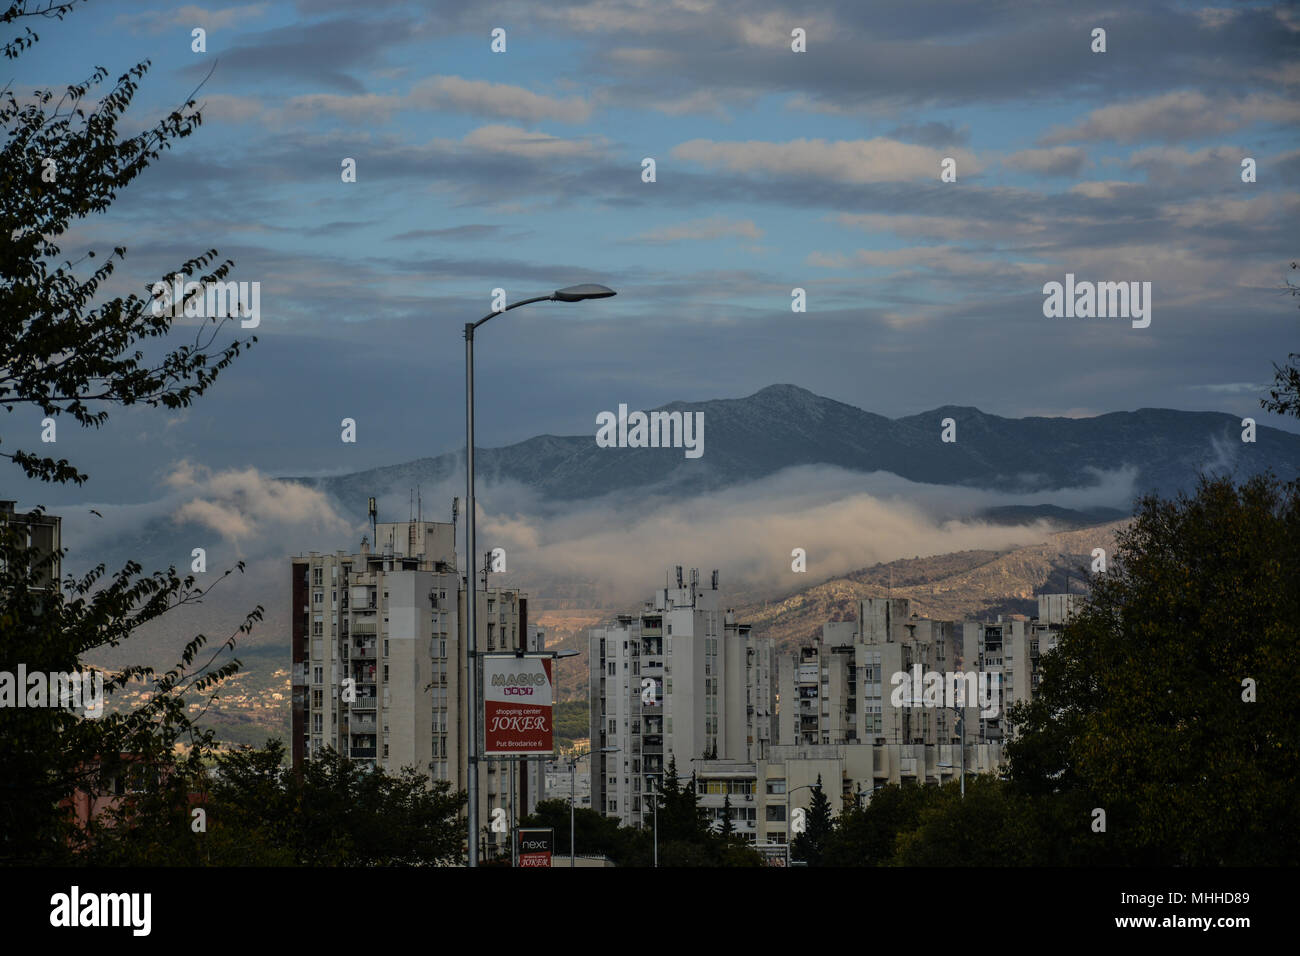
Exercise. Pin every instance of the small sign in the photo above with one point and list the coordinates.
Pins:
(535, 845)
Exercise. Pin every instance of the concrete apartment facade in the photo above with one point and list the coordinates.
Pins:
(44, 533)
(682, 679)
(378, 644)
(837, 719)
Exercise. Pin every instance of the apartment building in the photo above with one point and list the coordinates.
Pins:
(762, 793)
(838, 690)
(43, 532)
(682, 680)
(379, 660)
(837, 718)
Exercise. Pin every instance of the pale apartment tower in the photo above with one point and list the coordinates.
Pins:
(682, 679)
(378, 657)
(837, 721)
(839, 689)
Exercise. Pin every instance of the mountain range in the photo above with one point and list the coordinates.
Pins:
(783, 426)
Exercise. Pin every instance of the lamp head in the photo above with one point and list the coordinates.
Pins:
(576, 293)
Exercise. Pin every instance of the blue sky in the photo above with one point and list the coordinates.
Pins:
(775, 170)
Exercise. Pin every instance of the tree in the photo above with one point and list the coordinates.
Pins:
(1169, 702)
(990, 826)
(808, 846)
(258, 811)
(727, 828)
(60, 350)
(680, 815)
(47, 754)
(866, 835)
(66, 353)
(1284, 397)
(594, 833)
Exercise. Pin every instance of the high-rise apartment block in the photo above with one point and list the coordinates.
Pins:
(839, 719)
(379, 659)
(682, 679)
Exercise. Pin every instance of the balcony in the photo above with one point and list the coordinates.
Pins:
(364, 652)
(364, 703)
(363, 752)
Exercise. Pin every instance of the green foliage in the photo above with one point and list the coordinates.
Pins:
(809, 845)
(1140, 712)
(866, 835)
(571, 721)
(260, 813)
(594, 834)
(47, 754)
(1284, 396)
(989, 827)
(60, 350)
(65, 353)
(1141, 708)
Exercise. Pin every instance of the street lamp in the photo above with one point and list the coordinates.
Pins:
(573, 785)
(574, 293)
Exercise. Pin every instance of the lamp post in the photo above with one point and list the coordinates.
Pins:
(574, 293)
(573, 786)
(655, 803)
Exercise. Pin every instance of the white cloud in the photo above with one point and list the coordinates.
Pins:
(360, 107)
(1102, 189)
(1182, 114)
(498, 138)
(494, 99)
(449, 93)
(876, 160)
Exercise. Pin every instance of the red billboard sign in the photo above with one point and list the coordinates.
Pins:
(518, 705)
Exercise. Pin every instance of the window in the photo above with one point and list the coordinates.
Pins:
(316, 576)
(318, 674)
(776, 786)
(318, 597)
(385, 647)
(385, 673)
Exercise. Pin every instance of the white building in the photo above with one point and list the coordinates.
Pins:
(682, 679)
(379, 660)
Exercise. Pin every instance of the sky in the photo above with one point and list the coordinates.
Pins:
(774, 170)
